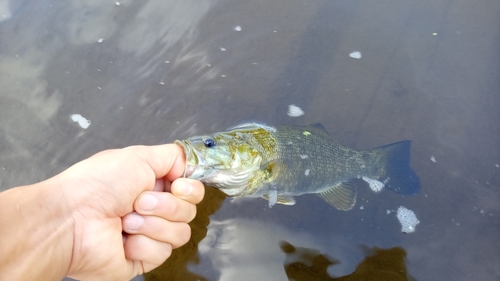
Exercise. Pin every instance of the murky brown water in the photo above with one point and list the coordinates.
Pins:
(149, 72)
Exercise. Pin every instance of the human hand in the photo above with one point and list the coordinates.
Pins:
(136, 190)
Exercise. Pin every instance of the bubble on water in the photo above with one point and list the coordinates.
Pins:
(407, 219)
(82, 121)
(355, 55)
(295, 111)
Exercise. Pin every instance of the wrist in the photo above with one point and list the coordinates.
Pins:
(36, 233)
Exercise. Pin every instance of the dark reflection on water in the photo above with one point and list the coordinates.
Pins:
(175, 267)
(167, 70)
(303, 264)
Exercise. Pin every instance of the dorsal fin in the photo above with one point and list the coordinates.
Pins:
(317, 129)
(319, 126)
(341, 196)
(252, 126)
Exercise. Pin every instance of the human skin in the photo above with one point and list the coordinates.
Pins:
(112, 216)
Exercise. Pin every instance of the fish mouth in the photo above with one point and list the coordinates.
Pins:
(192, 158)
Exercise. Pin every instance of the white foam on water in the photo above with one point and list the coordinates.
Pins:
(82, 121)
(375, 185)
(295, 111)
(407, 219)
(307, 172)
(237, 28)
(304, 156)
(433, 159)
(356, 55)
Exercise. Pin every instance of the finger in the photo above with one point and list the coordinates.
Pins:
(188, 189)
(166, 160)
(150, 252)
(160, 185)
(165, 205)
(174, 233)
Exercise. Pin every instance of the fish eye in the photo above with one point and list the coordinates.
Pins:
(209, 142)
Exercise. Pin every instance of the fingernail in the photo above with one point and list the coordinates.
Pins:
(185, 189)
(147, 202)
(133, 222)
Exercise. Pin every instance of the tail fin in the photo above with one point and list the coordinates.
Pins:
(397, 175)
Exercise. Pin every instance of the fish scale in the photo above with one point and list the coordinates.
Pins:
(328, 162)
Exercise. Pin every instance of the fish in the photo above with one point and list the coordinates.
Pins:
(279, 163)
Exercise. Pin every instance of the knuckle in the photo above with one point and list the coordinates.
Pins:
(192, 213)
(171, 207)
(184, 235)
(167, 250)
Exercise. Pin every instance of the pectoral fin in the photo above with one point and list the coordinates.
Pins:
(341, 196)
(285, 200)
(274, 198)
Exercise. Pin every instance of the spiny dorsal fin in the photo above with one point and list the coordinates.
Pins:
(317, 129)
(319, 126)
(341, 196)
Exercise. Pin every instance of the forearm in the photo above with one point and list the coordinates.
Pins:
(36, 233)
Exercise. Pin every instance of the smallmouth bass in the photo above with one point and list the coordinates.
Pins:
(278, 163)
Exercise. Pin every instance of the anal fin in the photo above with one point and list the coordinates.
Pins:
(341, 196)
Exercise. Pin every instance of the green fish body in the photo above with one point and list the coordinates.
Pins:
(279, 163)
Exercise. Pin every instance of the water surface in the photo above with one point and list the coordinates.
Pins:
(150, 72)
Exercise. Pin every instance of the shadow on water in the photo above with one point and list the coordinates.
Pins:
(300, 263)
(175, 267)
(305, 264)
